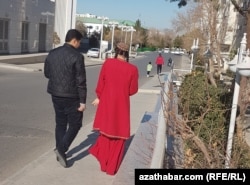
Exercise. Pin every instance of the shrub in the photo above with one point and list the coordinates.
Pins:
(205, 111)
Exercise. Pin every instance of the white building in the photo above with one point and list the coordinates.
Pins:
(26, 26)
(231, 19)
(86, 15)
(94, 23)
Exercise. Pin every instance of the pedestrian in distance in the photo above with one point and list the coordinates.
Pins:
(170, 62)
(159, 62)
(149, 68)
(118, 80)
(65, 69)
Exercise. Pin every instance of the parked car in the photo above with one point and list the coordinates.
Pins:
(93, 52)
(166, 50)
(178, 51)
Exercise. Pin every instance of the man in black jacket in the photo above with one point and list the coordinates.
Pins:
(65, 69)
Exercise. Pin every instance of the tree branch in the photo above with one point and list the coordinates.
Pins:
(238, 8)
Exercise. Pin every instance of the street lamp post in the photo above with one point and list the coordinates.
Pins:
(112, 40)
(240, 65)
(131, 39)
(100, 50)
(194, 48)
(122, 29)
(126, 29)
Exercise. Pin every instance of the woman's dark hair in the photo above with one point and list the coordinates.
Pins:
(119, 51)
(73, 34)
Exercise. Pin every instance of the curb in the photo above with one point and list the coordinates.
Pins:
(12, 66)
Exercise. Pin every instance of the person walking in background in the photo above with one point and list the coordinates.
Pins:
(65, 69)
(159, 62)
(149, 68)
(118, 80)
(170, 61)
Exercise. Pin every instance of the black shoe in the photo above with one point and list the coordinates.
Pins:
(61, 158)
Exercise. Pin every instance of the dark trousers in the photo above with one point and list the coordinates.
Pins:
(68, 121)
(159, 67)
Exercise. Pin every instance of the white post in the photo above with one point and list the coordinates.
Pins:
(243, 45)
(126, 35)
(131, 38)
(100, 53)
(197, 42)
(232, 119)
(234, 104)
(194, 48)
(192, 59)
(194, 43)
(122, 28)
(112, 42)
(121, 33)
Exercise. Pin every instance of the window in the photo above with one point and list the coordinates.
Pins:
(25, 32)
(4, 27)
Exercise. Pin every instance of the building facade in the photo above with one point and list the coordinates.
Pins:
(26, 26)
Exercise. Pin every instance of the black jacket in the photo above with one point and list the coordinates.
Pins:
(65, 69)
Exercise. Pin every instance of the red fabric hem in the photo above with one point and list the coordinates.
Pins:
(111, 136)
(109, 152)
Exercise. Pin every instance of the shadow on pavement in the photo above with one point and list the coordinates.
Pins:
(82, 148)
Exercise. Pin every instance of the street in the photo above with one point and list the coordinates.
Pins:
(27, 116)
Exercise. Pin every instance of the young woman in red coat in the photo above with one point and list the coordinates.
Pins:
(118, 80)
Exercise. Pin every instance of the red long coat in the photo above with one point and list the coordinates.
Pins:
(118, 80)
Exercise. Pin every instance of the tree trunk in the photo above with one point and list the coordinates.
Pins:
(210, 74)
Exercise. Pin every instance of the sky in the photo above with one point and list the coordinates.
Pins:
(152, 13)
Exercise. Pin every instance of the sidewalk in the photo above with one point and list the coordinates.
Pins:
(84, 168)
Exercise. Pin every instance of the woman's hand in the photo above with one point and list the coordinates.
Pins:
(95, 102)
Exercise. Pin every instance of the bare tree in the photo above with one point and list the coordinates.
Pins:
(217, 37)
(81, 28)
(208, 21)
(56, 39)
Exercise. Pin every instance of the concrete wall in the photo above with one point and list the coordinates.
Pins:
(65, 12)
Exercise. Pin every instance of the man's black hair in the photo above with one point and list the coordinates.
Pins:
(73, 34)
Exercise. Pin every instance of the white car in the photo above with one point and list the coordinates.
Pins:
(93, 52)
(166, 50)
